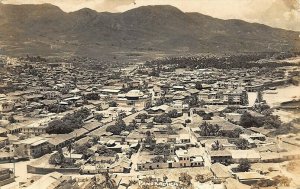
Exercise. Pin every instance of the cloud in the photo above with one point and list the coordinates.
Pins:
(277, 13)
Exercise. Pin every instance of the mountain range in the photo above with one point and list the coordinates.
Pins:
(46, 30)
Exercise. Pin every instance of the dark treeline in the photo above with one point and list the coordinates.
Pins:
(226, 61)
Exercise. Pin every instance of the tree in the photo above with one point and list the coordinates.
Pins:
(68, 123)
(216, 145)
(201, 178)
(99, 117)
(162, 149)
(242, 144)
(104, 151)
(84, 150)
(149, 140)
(281, 180)
(108, 183)
(92, 96)
(94, 139)
(235, 133)
(207, 129)
(207, 117)
(117, 128)
(158, 159)
(259, 97)
(185, 179)
(142, 116)
(193, 101)
(198, 85)
(244, 166)
(11, 119)
(170, 130)
(173, 114)
(150, 125)
(202, 103)
(272, 121)
(57, 158)
(247, 120)
(164, 118)
(58, 127)
(244, 98)
(112, 104)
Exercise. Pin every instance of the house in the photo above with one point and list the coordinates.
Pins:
(31, 147)
(3, 141)
(135, 98)
(220, 156)
(249, 178)
(159, 109)
(6, 176)
(59, 141)
(6, 106)
(6, 157)
(183, 158)
(50, 181)
(220, 172)
(250, 155)
(189, 158)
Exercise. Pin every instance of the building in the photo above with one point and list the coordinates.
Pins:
(220, 156)
(31, 147)
(6, 176)
(240, 155)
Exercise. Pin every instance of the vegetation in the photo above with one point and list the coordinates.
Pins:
(142, 116)
(276, 182)
(68, 123)
(158, 159)
(216, 145)
(11, 119)
(242, 144)
(247, 120)
(268, 121)
(164, 118)
(173, 114)
(56, 108)
(104, 151)
(112, 104)
(204, 115)
(99, 183)
(185, 179)
(202, 178)
(245, 61)
(84, 149)
(207, 129)
(99, 117)
(149, 140)
(244, 166)
(162, 149)
(150, 125)
(117, 128)
(57, 158)
(92, 96)
(192, 101)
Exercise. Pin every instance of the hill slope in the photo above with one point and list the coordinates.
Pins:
(47, 30)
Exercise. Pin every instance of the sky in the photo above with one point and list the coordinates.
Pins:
(277, 13)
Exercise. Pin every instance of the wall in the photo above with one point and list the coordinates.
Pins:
(42, 170)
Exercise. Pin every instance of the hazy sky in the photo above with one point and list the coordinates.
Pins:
(277, 13)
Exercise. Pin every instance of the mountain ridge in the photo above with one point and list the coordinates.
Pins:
(46, 29)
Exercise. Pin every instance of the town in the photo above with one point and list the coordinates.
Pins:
(147, 125)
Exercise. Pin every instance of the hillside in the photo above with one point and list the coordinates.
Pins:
(47, 30)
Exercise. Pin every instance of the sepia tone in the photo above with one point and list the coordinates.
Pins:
(148, 94)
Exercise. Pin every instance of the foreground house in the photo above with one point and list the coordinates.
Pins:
(31, 147)
(182, 158)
